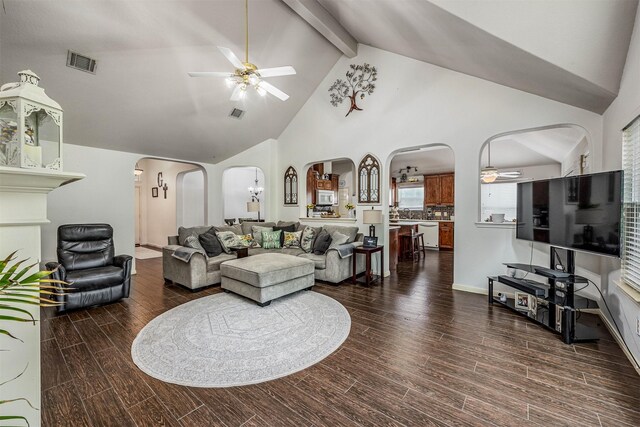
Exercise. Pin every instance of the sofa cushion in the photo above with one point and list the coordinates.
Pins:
(213, 264)
(210, 243)
(95, 278)
(257, 230)
(350, 232)
(271, 239)
(236, 228)
(309, 235)
(292, 240)
(322, 243)
(228, 239)
(296, 224)
(265, 270)
(320, 261)
(183, 232)
(247, 226)
(337, 239)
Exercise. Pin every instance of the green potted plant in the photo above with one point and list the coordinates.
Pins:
(20, 290)
(310, 207)
(349, 207)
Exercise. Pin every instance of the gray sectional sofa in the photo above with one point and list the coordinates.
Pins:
(201, 271)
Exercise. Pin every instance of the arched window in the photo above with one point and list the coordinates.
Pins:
(369, 180)
(291, 186)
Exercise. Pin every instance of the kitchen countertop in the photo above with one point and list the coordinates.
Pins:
(394, 227)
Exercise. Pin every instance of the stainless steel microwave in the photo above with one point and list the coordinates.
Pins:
(324, 197)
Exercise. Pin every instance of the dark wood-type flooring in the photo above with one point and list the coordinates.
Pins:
(418, 354)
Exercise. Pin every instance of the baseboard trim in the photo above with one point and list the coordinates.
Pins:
(470, 289)
(612, 330)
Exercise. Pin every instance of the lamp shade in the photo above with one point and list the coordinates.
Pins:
(372, 216)
(253, 206)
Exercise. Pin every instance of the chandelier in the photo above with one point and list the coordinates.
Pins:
(255, 190)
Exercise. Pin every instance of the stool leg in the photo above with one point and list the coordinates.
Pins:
(424, 253)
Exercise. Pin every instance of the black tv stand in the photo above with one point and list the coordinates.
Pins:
(552, 305)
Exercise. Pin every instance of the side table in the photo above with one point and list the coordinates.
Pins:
(241, 251)
(369, 276)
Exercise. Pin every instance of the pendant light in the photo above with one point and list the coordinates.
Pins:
(489, 174)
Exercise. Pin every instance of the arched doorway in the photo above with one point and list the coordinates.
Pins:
(236, 182)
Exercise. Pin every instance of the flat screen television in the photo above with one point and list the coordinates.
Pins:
(581, 213)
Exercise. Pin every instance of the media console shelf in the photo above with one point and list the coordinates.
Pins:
(552, 305)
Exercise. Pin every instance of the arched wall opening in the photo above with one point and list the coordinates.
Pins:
(525, 155)
(337, 176)
(236, 182)
(160, 203)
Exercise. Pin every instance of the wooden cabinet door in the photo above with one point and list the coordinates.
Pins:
(394, 245)
(446, 235)
(335, 183)
(432, 190)
(311, 186)
(447, 189)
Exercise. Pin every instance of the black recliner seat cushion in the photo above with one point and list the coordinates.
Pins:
(91, 279)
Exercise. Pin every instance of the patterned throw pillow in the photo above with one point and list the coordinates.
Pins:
(308, 236)
(292, 240)
(248, 241)
(257, 232)
(271, 239)
(228, 239)
(193, 243)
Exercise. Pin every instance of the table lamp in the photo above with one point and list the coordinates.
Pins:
(254, 207)
(372, 217)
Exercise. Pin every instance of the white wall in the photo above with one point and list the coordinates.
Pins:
(442, 107)
(622, 111)
(235, 184)
(159, 215)
(571, 163)
(190, 201)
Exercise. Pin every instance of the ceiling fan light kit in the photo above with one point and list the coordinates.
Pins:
(247, 74)
(490, 174)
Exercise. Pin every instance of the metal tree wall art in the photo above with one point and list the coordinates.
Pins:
(360, 82)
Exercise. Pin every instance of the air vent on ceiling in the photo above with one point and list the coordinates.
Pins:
(81, 62)
(236, 113)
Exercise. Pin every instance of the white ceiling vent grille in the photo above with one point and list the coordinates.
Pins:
(236, 113)
(81, 62)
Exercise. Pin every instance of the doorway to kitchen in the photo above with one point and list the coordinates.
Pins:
(421, 206)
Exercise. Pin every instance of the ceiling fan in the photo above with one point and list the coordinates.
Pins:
(489, 173)
(247, 74)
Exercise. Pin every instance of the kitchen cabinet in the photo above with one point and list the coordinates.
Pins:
(439, 189)
(311, 186)
(445, 235)
(323, 184)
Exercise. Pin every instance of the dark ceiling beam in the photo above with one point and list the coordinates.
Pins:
(318, 17)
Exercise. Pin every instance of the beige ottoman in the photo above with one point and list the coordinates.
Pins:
(265, 277)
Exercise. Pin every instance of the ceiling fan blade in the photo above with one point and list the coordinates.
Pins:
(236, 95)
(514, 174)
(274, 90)
(231, 57)
(209, 74)
(276, 71)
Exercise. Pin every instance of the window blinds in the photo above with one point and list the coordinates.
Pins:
(631, 205)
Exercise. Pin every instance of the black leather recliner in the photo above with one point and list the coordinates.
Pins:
(86, 260)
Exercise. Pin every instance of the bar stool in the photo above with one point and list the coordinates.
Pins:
(418, 245)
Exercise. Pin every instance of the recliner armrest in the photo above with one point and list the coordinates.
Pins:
(58, 271)
(123, 261)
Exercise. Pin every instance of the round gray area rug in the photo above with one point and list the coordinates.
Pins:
(224, 340)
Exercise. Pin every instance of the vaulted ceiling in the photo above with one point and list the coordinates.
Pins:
(141, 99)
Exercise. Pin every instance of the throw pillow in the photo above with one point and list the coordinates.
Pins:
(210, 243)
(290, 228)
(271, 239)
(309, 235)
(193, 243)
(257, 232)
(321, 243)
(338, 239)
(248, 241)
(292, 240)
(228, 239)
